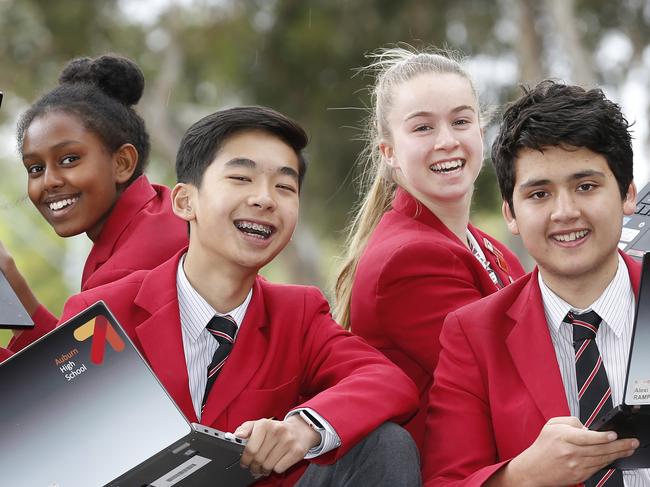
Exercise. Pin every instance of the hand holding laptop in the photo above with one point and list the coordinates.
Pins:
(565, 452)
(275, 446)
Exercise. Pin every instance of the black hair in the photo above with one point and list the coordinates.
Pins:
(555, 114)
(203, 140)
(100, 92)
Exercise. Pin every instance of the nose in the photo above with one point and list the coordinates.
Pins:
(52, 178)
(446, 138)
(565, 207)
(263, 199)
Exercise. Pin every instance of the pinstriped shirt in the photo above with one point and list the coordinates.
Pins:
(199, 346)
(198, 343)
(616, 307)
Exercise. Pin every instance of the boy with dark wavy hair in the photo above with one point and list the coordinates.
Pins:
(524, 373)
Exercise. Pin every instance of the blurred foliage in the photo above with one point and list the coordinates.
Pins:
(298, 56)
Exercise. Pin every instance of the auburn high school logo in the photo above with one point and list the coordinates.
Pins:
(101, 332)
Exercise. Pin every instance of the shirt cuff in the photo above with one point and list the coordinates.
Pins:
(329, 439)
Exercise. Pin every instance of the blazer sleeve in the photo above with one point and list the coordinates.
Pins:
(459, 448)
(419, 285)
(351, 385)
(44, 322)
(4, 354)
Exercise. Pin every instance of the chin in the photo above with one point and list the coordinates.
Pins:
(66, 232)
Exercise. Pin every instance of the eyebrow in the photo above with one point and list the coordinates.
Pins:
(424, 113)
(58, 146)
(251, 164)
(587, 173)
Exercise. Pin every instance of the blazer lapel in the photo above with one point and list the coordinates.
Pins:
(634, 270)
(160, 335)
(243, 362)
(533, 354)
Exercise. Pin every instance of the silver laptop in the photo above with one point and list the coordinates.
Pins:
(81, 408)
(631, 419)
(635, 238)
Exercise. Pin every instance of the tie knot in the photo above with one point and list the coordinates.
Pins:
(585, 325)
(222, 328)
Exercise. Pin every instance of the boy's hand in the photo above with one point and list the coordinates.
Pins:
(274, 446)
(564, 453)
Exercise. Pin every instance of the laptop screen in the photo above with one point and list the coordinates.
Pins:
(80, 407)
(12, 312)
(637, 385)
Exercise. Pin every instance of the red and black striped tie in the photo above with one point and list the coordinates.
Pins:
(594, 392)
(223, 329)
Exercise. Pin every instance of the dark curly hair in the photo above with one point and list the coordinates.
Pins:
(555, 114)
(101, 93)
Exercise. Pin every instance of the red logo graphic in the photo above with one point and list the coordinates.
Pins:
(101, 332)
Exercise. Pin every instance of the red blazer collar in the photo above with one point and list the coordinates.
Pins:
(409, 206)
(161, 339)
(530, 346)
(634, 270)
(246, 357)
(128, 204)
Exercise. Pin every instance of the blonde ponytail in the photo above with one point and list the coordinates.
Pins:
(391, 67)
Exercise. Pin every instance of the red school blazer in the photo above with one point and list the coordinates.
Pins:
(413, 272)
(497, 384)
(287, 348)
(141, 232)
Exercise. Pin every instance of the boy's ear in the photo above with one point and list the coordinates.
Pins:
(388, 152)
(629, 202)
(182, 201)
(126, 160)
(510, 219)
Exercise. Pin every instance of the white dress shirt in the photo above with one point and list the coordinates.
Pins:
(199, 346)
(616, 307)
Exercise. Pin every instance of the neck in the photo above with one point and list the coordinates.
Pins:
(454, 215)
(224, 287)
(581, 292)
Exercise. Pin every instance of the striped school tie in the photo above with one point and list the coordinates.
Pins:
(594, 392)
(223, 329)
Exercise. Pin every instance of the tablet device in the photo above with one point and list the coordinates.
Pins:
(631, 418)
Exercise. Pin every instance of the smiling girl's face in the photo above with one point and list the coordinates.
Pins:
(73, 178)
(436, 145)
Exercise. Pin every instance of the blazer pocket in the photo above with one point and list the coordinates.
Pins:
(276, 402)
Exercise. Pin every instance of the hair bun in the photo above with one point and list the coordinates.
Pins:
(118, 77)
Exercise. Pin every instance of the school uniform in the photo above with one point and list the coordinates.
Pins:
(4, 354)
(287, 349)
(140, 233)
(501, 377)
(413, 272)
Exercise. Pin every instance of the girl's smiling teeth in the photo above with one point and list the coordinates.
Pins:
(253, 229)
(571, 237)
(447, 166)
(63, 203)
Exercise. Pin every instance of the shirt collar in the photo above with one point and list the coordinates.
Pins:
(195, 311)
(609, 305)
